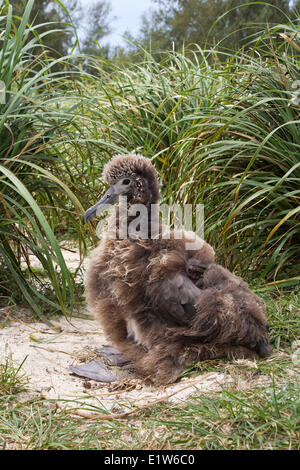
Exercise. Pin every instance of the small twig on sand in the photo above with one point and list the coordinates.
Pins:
(68, 249)
(55, 350)
(112, 416)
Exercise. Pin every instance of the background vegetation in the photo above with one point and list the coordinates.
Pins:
(225, 24)
(224, 133)
(210, 91)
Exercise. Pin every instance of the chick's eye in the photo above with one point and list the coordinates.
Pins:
(126, 181)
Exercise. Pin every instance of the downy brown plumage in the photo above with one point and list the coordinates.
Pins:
(162, 305)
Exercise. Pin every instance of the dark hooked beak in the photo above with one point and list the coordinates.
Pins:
(109, 198)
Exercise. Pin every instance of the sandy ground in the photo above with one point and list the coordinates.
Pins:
(47, 354)
(69, 252)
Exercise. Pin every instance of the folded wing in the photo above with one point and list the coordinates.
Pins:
(174, 299)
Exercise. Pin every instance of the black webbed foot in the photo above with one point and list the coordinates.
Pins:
(112, 356)
(94, 370)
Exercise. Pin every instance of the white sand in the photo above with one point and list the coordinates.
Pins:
(46, 364)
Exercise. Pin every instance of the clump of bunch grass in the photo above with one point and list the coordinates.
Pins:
(223, 134)
(283, 312)
(12, 381)
(30, 194)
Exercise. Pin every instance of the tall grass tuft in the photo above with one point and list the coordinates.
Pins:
(30, 193)
(225, 134)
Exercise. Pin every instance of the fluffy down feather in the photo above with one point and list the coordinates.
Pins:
(165, 307)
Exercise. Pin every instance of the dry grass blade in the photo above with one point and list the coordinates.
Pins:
(113, 416)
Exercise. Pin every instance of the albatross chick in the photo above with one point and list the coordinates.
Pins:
(163, 305)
